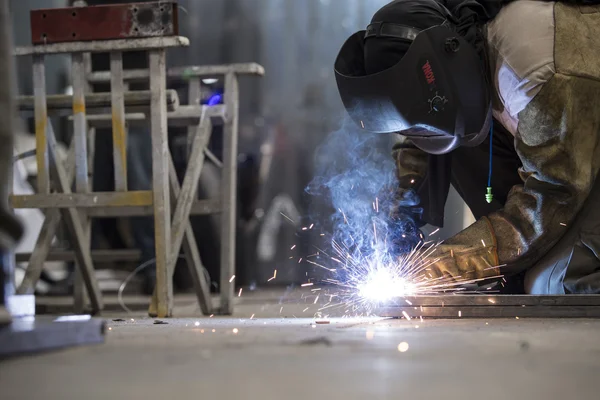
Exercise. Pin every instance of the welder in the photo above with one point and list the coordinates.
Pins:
(501, 100)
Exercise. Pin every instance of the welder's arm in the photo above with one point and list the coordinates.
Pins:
(558, 142)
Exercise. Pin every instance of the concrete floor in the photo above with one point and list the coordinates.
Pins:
(292, 358)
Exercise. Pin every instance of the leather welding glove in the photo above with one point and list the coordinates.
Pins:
(464, 258)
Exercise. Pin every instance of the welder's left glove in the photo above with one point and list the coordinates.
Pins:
(465, 257)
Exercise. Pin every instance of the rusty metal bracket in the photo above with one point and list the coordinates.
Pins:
(105, 22)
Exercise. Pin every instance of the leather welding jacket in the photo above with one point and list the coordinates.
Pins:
(545, 66)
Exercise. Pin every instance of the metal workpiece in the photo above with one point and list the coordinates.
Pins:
(104, 46)
(98, 256)
(83, 200)
(62, 102)
(104, 22)
(228, 193)
(26, 335)
(183, 116)
(80, 129)
(184, 73)
(119, 129)
(493, 306)
(82, 181)
(37, 102)
(160, 182)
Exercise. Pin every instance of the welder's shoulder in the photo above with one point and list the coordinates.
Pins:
(521, 56)
(566, 105)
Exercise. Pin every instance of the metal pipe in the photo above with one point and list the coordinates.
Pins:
(10, 228)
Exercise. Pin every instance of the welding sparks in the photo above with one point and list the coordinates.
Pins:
(231, 279)
(293, 247)
(286, 217)
(403, 347)
(240, 293)
(370, 275)
(405, 314)
(434, 232)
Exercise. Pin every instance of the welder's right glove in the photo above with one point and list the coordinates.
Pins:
(464, 258)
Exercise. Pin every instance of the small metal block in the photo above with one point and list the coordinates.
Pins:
(21, 305)
(105, 22)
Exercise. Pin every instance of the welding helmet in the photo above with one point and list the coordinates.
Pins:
(436, 95)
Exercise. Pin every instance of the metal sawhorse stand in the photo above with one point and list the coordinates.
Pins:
(70, 204)
(189, 116)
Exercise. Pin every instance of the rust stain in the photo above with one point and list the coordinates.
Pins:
(78, 107)
(41, 122)
(120, 144)
(132, 199)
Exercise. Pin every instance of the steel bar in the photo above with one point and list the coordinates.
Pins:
(228, 194)
(80, 296)
(160, 182)
(83, 200)
(495, 299)
(103, 46)
(62, 102)
(104, 22)
(7, 131)
(178, 73)
(183, 116)
(200, 207)
(98, 256)
(75, 227)
(27, 336)
(493, 312)
(194, 94)
(79, 123)
(82, 183)
(39, 104)
(119, 131)
(493, 306)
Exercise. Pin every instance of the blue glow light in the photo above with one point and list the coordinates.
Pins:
(214, 99)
